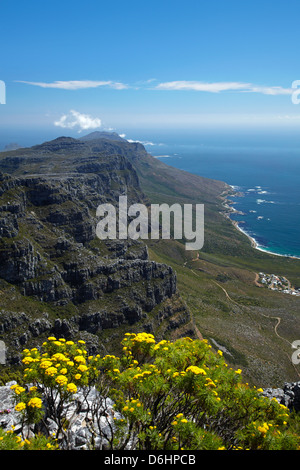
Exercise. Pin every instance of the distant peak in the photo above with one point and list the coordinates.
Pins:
(103, 135)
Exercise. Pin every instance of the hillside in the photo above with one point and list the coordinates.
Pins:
(69, 282)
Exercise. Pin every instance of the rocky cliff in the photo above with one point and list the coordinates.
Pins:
(56, 276)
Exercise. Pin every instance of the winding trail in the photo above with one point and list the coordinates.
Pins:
(278, 319)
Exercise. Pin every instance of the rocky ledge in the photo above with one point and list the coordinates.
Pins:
(289, 395)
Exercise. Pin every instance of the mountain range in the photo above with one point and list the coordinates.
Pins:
(57, 277)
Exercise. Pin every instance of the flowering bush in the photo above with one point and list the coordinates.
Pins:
(10, 441)
(167, 395)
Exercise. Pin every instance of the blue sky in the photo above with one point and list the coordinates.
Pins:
(71, 67)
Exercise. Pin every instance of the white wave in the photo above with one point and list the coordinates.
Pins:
(264, 201)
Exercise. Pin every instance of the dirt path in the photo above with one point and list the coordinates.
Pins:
(278, 319)
(256, 280)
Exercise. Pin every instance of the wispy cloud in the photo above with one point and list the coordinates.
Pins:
(217, 87)
(78, 120)
(77, 84)
(181, 85)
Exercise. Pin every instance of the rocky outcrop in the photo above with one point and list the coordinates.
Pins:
(288, 396)
(64, 279)
(90, 417)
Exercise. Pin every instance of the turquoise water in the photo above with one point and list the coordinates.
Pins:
(265, 169)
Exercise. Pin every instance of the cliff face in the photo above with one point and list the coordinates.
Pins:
(56, 276)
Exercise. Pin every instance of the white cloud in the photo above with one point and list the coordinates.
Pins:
(213, 87)
(75, 120)
(77, 84)
(216, 87)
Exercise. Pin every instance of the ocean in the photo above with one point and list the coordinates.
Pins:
(264, 168)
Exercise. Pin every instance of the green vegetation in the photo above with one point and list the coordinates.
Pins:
(167, 396)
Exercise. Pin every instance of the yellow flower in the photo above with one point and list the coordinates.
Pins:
(80, 359)
(77, 376)
(19, 390)
(35, 402)
(196, 370)
(51, 338)
(263, 429)
(61, 380)
(20, 406)
(51, 371)
(27, 360)
(45, 364)
(82, 368)
(71, 388)
(59, 357)
(63, 371)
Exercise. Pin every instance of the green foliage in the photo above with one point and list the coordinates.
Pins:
(10, 441)
(167, 396)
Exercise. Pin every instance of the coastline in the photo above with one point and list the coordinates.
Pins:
(231, 210)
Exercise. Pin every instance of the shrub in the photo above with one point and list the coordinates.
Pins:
(167, 396)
